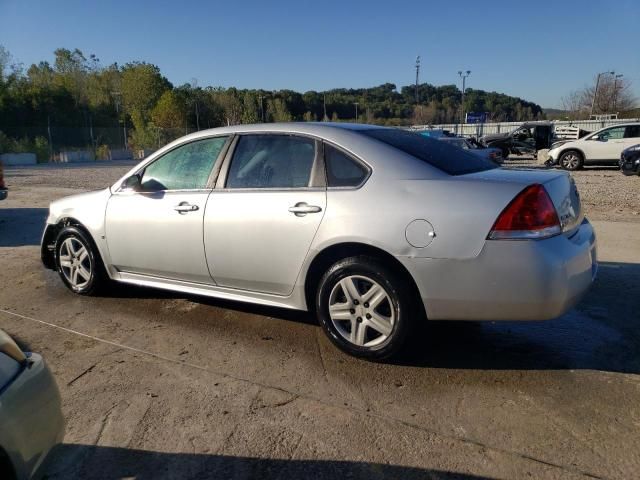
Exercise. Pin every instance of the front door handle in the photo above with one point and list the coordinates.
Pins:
(185, 207)
(300, 209)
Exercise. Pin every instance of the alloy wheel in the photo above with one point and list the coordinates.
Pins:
(361, 311)
(570, 161)
(75, 263)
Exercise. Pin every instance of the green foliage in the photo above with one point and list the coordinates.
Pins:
(38, 145)
(102, 152)
(79, 103)
(169, 112)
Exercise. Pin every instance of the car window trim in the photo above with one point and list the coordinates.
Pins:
(210, 180)
(317, 181)
(353, 157)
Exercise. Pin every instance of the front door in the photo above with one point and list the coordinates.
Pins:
(157, 229)
(259, 227)
(607, 146)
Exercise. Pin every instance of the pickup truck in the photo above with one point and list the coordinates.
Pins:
(530, 137)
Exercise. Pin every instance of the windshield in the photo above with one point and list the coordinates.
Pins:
(442, 155)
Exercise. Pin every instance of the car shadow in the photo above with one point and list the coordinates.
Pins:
(601, 333)
(21, 226)
(98, 462)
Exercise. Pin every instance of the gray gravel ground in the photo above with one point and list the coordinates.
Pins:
(190, 387)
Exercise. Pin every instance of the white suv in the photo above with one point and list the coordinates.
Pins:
(598, 148)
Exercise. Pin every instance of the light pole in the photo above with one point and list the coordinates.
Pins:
(615, 90)
(356, 104)
(464, 76)
(417, 77)
(595, 92)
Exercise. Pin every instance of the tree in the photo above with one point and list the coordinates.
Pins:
(250, 108)
(169, 112)
(277, 111)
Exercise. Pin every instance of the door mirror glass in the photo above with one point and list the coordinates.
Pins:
(131, 183)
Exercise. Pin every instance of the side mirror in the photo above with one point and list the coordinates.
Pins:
(134, 182)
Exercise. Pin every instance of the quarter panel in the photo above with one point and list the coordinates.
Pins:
(461, 212)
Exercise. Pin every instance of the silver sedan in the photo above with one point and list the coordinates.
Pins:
(31, 422)
(372, 229)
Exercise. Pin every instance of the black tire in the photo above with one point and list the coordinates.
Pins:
(571, 160)
(505, 153)
(399, 303)
(98, 279)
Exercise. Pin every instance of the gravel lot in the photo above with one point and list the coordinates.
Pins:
(172, 386)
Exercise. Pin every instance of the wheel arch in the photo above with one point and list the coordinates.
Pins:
(51, 234)
(331, 254)
(571, 149)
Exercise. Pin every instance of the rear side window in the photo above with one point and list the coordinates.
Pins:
(271, 161)
(448, 158)
(342, 170)
(632, 131)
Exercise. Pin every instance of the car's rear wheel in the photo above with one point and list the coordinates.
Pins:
(365, 307)
(571, 160)
(505, 153)
(78, 262)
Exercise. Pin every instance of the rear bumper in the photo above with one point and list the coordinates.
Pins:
(509, 280)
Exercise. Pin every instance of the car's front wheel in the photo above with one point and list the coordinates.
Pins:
(571, 160)
(366, 308)
(78, 262)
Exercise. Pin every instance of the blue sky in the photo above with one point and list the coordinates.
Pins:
(535, 50)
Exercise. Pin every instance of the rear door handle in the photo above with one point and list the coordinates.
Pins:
(185, 207)
(300, 209)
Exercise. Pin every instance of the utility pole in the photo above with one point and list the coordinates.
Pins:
(116, 97)
(417, 77)
(464, 76)
(324, 106)
(356, 104)
(595, 92)
(615, 91)
(261, 100)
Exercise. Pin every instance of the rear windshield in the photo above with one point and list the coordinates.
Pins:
(448, 158)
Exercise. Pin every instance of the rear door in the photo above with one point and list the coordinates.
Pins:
(260, 222)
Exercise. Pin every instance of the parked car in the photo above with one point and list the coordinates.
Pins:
(489, 153)
(3, 187)
(602, 147)
(370, 228)
(437, 133)
(630, 160)
(31, 421)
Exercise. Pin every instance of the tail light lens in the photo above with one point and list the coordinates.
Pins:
(530, 215)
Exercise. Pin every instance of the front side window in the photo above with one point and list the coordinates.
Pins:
(271, 161)
(184, 168)
(342, 170)
(613, 133)
(632, 131)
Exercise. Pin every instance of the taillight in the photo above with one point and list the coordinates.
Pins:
(530, 215)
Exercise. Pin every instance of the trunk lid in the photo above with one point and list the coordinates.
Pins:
(559, 185)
